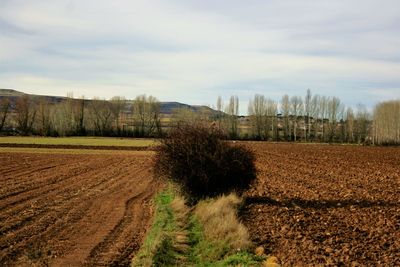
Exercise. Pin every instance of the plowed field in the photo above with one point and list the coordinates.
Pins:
(74, 209)
(326, 205)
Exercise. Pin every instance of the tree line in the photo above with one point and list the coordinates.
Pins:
(309, 118)
(80, 117)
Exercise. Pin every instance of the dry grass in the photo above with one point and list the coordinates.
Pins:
(86, 141)
(73, 151)
(208, 234)
(181, 235)
(220, 221)
(181, 210)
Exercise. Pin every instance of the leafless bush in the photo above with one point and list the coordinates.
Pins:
(198, 158)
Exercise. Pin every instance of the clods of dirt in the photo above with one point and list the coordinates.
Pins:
(326, 205)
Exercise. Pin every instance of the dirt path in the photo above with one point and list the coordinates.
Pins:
(74, 210)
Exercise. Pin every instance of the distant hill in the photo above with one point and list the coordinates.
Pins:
(165, 107)
(10, 92)
(169, 107)
(12, 95)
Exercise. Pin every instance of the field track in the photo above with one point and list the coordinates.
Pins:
(326, 205)
(74, 209)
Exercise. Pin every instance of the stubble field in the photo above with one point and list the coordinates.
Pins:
(326, 204)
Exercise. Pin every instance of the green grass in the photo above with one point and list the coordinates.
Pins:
(158, 248)
(215, 252)
(84, 141)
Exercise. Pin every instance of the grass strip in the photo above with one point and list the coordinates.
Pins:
(217, 238)
(156, 248)
(182, 236)
(84, 141)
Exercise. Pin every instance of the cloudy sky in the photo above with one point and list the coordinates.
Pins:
(194, 51)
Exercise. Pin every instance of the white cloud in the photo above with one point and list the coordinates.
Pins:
(381, 94)
(193, 51)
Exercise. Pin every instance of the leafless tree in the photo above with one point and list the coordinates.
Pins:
(220, 108)
(188, 116)
(4, 109)
(101, 116)
(220, 104)
(257, 112)
(78, 111)
(307, 113)
(44, 122)
(262, 112)
(25, 114)
(146, 112)
(334, 110)
(323, 112)
(296, 106)
(118, 104)
(63, 116)
(387, 122)
(285, 110)
(349, 125)
(232, 119)
(362, 123)
(272, 123)
(314, 113)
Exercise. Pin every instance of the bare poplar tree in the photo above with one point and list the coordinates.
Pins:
(220, 104)
(188, 116)
(362, 123)
(387, 122)
(342, 131)
(334, 110)
(314, 113)
(307, 111)
(118, 104)
(79, 115)
(323, 113)
(25, 114)
(296, 105)
(220, 107)
(44, 123)
(62, 116)
(233, 112)
(4, 109)
(146, 112)
(349, 125)
(101, 116)
(257, 112)
(262, 113)
(272, 110)
(285, 110)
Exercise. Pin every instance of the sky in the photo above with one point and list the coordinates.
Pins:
(195, 51)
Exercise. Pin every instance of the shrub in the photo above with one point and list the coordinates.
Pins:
(203, 163)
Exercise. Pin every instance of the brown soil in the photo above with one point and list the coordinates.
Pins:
(326, 205)
(74, 210)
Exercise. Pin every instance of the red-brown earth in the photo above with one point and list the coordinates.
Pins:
(311, 205)
(326, 205)
(74, 209)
